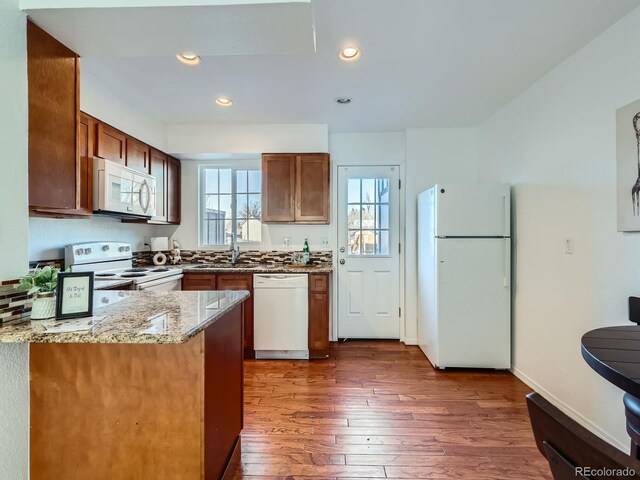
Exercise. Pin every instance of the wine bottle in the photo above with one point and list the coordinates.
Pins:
(305, 251)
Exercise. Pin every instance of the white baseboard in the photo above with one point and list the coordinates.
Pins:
(410, 341)
(578, 417)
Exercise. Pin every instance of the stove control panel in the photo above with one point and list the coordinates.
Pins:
(96, 252)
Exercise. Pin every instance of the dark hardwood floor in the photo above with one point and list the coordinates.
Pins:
(379, 410)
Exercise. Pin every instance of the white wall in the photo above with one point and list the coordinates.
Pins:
(192, 140)
(556, 144)
(48, 236)
(100, 101)
(434, 155)
(14, 375)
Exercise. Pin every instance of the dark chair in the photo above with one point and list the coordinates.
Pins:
(632, 412)
(573, 452)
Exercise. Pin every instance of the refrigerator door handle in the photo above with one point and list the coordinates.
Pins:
(506, 215)
(507, 262)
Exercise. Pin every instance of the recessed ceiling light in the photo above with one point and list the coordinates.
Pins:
(188, 58)
(343, 100)
(224, 102)
(349, 53)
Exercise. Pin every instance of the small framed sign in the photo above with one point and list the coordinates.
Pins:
(75, 295)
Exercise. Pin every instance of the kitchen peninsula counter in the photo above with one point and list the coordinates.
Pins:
(152, 389)
(132, 316)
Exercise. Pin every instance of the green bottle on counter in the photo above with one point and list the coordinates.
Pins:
(305, 251)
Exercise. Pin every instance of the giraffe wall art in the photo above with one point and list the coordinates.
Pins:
(628, 161)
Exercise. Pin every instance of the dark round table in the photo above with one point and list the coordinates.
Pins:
(614, 352)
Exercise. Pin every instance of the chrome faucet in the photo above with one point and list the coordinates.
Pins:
(235, 252)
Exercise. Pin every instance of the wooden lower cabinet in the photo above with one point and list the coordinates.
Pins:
(241, 281)
(318, 315)
(147, 411)
(199, 281)
(318, 306)
(227, 281)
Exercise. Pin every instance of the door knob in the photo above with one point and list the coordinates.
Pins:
(341, 249)
(342, 262)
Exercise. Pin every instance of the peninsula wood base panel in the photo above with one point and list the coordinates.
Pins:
(122, 411)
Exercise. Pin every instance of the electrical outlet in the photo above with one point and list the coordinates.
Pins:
(324, 241)
(286, 241)
(568, 246)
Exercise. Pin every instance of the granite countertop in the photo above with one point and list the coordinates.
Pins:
(259, 268)
(132, 317)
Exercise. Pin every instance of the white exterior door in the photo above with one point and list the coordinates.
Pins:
(368, 252)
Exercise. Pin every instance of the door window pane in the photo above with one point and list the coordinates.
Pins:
(382, 219)
(383, 242)
(368, 216)
(354, 242)
(353, 217)
(368, 190)
(353, 190)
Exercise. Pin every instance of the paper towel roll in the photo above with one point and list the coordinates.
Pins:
(159, 244)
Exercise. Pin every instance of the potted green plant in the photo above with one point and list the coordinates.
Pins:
(42, 283)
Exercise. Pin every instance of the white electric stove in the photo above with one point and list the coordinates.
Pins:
(114, 261)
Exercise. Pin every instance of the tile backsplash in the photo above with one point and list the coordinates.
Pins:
(246, 257)
(13, 304)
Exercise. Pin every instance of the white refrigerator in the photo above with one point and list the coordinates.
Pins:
(464, 275)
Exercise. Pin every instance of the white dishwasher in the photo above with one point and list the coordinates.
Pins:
(281, 316)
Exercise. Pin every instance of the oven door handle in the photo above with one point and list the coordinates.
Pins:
(160, 281)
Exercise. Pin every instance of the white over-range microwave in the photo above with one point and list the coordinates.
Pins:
(122, 191)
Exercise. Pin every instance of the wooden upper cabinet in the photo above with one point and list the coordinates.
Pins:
(278, 187)
(295, 188)
(137, 155)
(158, 168)
(53, 87)
(86, 151)
(112, 144)
(173, 190)
(312, 188)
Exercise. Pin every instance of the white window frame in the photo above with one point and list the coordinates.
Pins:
(239, 165)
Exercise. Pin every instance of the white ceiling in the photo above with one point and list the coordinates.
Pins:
(230, 29)
(424, 63)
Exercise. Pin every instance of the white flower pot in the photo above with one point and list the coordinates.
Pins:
(44, 306)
